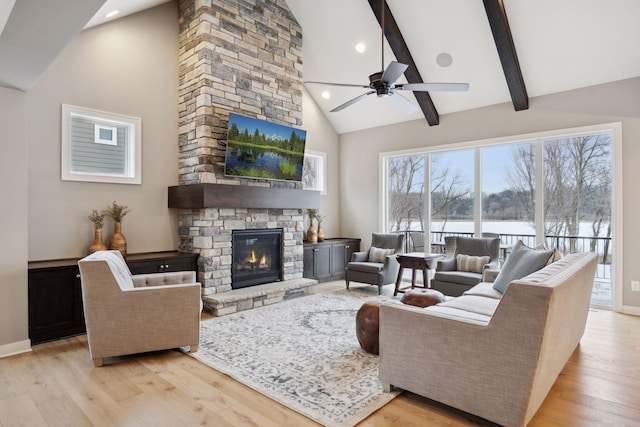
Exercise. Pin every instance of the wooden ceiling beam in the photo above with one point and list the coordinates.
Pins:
(401, 51)
(507, 51)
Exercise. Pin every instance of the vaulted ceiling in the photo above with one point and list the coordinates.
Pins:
(560, 45)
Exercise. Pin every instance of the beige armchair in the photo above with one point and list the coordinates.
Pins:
(377, 265)
(127, 314)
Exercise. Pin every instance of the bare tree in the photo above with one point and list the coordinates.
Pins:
(447, 187)
(406, 191)
(521, 178)
(577, 183)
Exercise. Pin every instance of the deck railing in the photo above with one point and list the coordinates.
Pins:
(565, 244)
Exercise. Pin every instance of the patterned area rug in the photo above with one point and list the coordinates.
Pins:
(302, 353)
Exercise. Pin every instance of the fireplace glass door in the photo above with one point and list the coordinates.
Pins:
(257, 257)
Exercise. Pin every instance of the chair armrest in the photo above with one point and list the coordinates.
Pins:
(448, 264)
(161, 279)
(360, 256)
(489, 274)
(493, 265)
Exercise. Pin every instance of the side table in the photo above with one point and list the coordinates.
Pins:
(415, 261)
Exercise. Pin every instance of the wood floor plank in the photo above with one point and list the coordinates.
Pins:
(57, 385)
(19, 410)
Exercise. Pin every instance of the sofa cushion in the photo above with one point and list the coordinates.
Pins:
(379, 254)
(366, 267)
(471, 263)
(484, 289)
(522, 261)
(457, 314)
(474, 304)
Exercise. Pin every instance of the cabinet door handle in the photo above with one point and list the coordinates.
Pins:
(78, 276)
(347, 247)
(166, 266)
(316, 250)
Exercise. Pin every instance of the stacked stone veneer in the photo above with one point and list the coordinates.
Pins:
(241, 56)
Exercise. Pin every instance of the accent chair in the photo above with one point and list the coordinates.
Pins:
(456, 274)
(377, 265)
(128, 314)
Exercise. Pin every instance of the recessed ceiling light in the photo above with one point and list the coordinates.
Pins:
(444, 60)
(112, 14)
(360, 47)
(326, 94)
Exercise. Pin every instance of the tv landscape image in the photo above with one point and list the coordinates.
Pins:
(263, 150)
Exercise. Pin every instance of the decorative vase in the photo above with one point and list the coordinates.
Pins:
(118, 241)
(320, 234)
(97, 245)
(312, 236)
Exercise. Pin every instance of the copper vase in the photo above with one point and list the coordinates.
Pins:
(118, 241)
(97, 245)
(312, 236)
(320, 234)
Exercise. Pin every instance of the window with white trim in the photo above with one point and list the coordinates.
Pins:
(100, 147)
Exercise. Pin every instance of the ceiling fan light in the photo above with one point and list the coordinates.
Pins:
(361, 47)
(326, 94)
(112, 13)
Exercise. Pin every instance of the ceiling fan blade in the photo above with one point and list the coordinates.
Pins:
(337, 84)
(351, 102)
(393, 72)
(426, 87)
(402, 102)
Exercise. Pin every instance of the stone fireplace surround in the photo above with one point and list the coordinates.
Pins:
(243, 56)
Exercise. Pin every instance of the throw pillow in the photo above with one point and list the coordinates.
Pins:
(379, 254)
(473, 264)
(555, 257)
(521, 262)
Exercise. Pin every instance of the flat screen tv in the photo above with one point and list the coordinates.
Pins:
(263, 150)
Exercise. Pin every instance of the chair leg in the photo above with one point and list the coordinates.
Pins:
(347, 280)
(98, 362)
(379, 289)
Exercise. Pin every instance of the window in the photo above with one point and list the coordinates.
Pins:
(314, 174)
(100, 147)
(559, 188)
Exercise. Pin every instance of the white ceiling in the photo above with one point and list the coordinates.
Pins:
(561, 45)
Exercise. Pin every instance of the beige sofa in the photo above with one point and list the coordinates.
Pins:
(490, 354)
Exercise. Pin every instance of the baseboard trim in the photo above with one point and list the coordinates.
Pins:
(628, 309)
(15, 348)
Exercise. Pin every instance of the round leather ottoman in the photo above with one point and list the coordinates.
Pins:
(367, 326)
(423, 297)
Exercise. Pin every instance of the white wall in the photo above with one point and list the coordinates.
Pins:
(128, 66)
(613, 102)
(13, 223)
(322, 137)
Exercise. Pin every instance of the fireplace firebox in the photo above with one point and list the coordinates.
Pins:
(257, 257)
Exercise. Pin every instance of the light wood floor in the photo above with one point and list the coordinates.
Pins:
(57, 385)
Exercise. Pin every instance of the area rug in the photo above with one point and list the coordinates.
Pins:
(302, 353)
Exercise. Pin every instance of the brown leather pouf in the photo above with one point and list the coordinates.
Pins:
(423, 297)
(368, 325)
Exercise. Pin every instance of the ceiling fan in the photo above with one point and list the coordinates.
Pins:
(383, 83)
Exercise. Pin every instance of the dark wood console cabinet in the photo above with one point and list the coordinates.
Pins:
(327, 260)
(55, 296)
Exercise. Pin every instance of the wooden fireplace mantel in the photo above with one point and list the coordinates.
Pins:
(198, 196)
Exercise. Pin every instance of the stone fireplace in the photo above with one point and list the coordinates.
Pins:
(242, 56)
